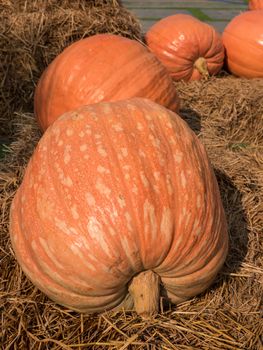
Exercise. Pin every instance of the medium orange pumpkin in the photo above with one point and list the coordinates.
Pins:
(255, 4)
(188, 47)
(103, 67)
(243, 41)
(116, 198)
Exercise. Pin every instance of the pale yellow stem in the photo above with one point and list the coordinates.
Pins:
(145, 291)
(201, 65)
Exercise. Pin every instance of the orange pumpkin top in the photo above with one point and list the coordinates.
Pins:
(114, 189)
(103, 67)
(255, 4)
(243, 41)
(188, 47)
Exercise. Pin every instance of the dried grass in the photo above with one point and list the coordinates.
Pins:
(227, 114)
(33, 33)
(50, 5)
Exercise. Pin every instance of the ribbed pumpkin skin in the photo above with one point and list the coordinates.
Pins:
(255, 4)
(104, 67)
(111, 190)
(243, 41)
(179, 40)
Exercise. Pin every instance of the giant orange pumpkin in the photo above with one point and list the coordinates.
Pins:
(188, 47)
(243, 41)
(255, 4)
(117, 198)
(104, 67)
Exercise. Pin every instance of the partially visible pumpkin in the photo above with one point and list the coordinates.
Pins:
(103, 67)
(117, 198)
(243, 41)
(188, 47)
(255, 4)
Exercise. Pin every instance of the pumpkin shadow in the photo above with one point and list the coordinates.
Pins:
(237, 224)
(192, 118)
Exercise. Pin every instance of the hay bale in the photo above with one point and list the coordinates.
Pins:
(232, 106)
(50, 5)
(226, 113)
(29, 41)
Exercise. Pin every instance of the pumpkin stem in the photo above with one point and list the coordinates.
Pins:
(201, 65)
(145, 291)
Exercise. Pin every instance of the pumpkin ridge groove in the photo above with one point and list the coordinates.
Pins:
(118, 168)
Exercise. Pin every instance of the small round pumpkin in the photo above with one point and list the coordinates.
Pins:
(243, 42)
(188, 47)
(103, 67)
(118, 199)
(255, 5)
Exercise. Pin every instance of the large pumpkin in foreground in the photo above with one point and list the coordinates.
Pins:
(188, 48)
(255, 4)
(243, 41)
(103, 67)
(118, 198)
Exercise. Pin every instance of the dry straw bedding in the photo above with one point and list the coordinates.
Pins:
(227, 115)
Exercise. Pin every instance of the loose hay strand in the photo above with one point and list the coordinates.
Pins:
(223, 111)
